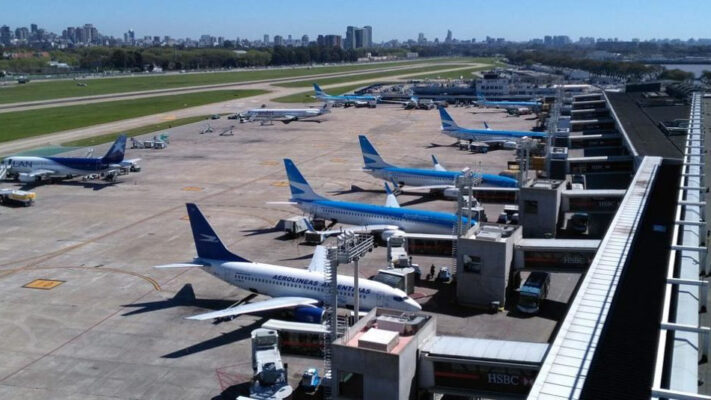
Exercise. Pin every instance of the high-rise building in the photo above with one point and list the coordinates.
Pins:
(22, 33)
(350, 38)
(266, 39)
(448, 39)
(421, 38)
(305, 40)
(368, 36)
(278, 40)
(5, 35)
(357, 38)
(333, 40)
(88, 33)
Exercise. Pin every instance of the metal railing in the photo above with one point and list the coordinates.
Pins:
(688, 247)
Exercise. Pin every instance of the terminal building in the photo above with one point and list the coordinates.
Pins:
(635, 325)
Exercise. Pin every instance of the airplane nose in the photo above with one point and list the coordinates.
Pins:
(412, 303)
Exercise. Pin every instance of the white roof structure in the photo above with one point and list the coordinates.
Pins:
(566, 366)
(485, 349)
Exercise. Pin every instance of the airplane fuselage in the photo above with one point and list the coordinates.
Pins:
(427, 177)
(279, 281)
(59, 165)
(486, 135)
(272, 113)
(407, 219)
(346, 98)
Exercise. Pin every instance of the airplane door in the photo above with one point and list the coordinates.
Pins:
(380, 300)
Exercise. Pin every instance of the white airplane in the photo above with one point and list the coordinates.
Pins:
(36, 169)
(285, 115)
(301, 290)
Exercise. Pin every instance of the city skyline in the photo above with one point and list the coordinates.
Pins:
(251, 20)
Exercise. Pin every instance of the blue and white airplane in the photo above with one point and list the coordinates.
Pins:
(345, 99)
(301, 290)
(393, 219)
(487, 135)
(36, 169)
(438, 179)
(483, 102)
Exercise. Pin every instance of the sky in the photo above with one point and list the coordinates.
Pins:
(391, 19)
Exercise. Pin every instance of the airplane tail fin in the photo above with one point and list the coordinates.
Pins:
(116, 152)
(300, 189)
(486, 126)
(448, 123)
(207, 243)
(326, 107)
(371, 158)
(318, 90)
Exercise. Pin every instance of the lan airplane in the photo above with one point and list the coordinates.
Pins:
(483, 102)
(487, 135)
(345, 98)
(301, 290)
(36, 169)
(285, 115)
(438, 179)
(390, 218)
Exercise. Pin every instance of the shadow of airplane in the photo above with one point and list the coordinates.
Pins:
(435, 145)
(86, 185)
(184, 297)
(218, 341)
(355, 189)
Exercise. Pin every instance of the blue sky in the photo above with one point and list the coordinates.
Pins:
(396, 19)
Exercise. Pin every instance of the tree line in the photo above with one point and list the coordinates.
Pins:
(98, 59)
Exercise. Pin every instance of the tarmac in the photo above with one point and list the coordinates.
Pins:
(110, 328)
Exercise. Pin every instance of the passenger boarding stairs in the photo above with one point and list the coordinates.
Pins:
(3, 171)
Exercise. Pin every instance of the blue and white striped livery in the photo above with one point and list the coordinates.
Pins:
(344, 98)
(487, 135)
(405, 219)
(437, 179)
(291, 288)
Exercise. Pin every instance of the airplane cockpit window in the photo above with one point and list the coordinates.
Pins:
(399, 298)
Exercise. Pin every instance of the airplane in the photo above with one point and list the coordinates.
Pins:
(303, 291)
(346, 99)
(487, 135)
(483, 102)
(414, 103)
(285, 115)
(36, 169)
(439, 179)
(389, 219)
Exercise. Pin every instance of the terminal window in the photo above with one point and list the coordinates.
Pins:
(350, 385)
(472, 264)
(530, 207)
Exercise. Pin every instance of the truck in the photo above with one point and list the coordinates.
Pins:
(533, 291)
(19, 197)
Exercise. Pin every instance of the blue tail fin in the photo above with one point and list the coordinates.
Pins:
(318, 90)
(371, 158)
(116, 152)
(300, 189)
(207, 243)
(486, 126)
(448, 123)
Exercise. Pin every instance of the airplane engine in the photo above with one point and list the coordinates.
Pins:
(313, 315)
(25, 178)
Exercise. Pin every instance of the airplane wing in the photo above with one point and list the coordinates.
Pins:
(390, 200)
(318, 261)
(360, 229)
(127, 163)
(178, 265)
(266, 305)
(423, 189)
(39, 173)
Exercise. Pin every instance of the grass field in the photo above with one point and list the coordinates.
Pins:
(22, 124)
(346, 79)
(307, 97)
(34, 91)
(110, 137)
